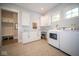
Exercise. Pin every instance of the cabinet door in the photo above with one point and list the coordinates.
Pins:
(25, 37)
(25, 34)
(34, 35)
(45, 20)
(25, 18)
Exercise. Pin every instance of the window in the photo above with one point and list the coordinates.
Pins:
(55, 18)
(72, 13)
(68, 14)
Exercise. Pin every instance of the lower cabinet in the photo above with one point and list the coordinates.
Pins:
(25, 37)
(30, 36)
(34, 35)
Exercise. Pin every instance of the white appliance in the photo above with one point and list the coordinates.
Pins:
(53, 38)
(69, 42)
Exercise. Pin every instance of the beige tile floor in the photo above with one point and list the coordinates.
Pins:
(36, 48)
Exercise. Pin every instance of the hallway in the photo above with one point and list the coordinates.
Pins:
(37, 48)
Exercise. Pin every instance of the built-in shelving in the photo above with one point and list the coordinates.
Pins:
(8, 20)
(8, 23)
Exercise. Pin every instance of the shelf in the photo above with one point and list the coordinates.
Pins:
(8, 22)
(7, 35)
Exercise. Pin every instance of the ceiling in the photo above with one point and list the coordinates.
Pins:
(38, 7)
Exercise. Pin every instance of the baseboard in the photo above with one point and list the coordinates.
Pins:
(60, 50)
(31, 41)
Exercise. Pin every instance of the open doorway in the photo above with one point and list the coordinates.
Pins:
(9, 29)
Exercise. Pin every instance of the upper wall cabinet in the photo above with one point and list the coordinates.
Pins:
(55, 18)
(45, 20)
(25, 18)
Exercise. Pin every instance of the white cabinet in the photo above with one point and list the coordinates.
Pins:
(69, 42)
(30, 36)
(25, 27)
(45, 20)
(25, 37)
(25, 18)
(34, 35)
(25, 34)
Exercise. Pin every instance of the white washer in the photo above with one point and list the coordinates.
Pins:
(53, 38)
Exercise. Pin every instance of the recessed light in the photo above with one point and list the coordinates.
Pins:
(42, 8)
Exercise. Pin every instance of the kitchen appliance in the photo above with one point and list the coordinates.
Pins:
(53, 38)
(43, 35)
(69, 42)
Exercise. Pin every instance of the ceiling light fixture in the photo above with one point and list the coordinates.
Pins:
(42, 8)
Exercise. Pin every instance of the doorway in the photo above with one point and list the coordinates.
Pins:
(9, 29)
